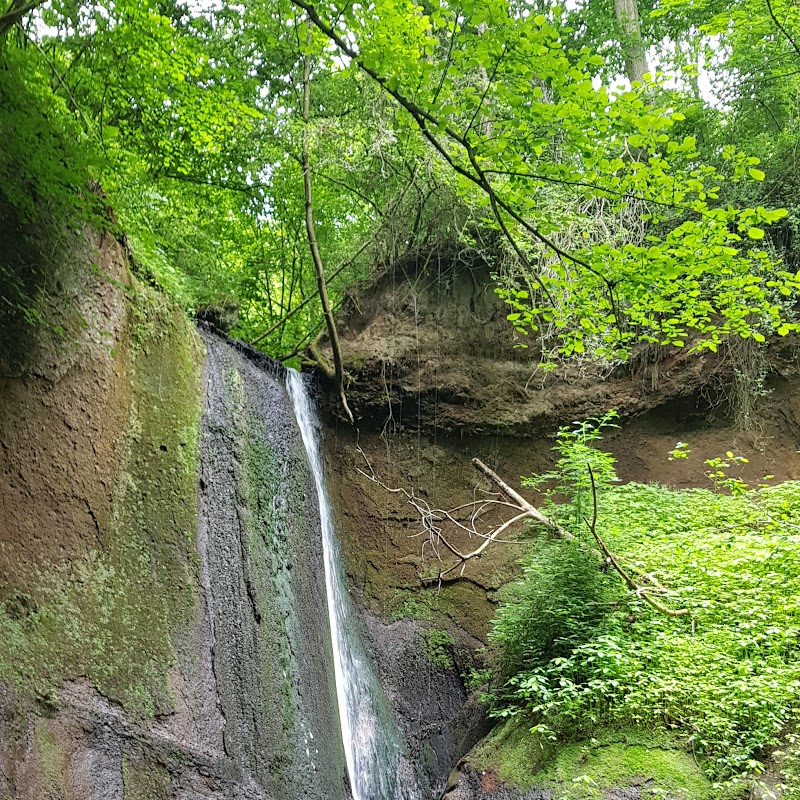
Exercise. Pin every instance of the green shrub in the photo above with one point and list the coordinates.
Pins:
(560, 600)
(569, 482)
(727, 675)
(577, 649)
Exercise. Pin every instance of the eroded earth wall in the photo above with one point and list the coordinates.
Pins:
(437, 378)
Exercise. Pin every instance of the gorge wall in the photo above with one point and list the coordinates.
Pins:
(434, 381)
(160, 568)
(162, 605)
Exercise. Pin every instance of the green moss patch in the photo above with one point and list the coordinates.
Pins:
(51, 758)
(656, 763)
(145, 780)
(438, 647)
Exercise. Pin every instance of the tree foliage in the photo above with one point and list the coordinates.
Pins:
(622, 214)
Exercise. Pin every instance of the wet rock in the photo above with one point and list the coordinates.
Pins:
(439, 721)
(474, 785)
(161, 578)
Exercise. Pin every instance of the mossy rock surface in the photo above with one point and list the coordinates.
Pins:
(613, 764)
(98, 563)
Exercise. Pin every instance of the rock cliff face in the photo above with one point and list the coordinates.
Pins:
(436, 379)
(161, 585)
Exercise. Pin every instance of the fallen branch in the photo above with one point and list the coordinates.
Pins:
(642, 592)
(521, 502)
(465, 519)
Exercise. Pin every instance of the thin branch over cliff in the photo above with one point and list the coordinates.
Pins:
(338, 367)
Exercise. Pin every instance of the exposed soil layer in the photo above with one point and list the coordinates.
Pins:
(427, 345)
(436, 380)
(382, 534)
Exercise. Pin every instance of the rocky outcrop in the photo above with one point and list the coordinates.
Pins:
(161, 581)
(263, 578)
(439, 721)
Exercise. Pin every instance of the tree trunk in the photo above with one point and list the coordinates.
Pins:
(627, 14)
(338, 367)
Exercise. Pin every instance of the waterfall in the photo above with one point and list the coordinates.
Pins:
(371, 740)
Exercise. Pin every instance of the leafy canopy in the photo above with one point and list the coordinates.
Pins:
(620, 214)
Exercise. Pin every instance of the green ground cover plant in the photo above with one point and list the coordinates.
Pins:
(577, 650)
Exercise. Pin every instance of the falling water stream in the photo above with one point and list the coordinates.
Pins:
(371, 740)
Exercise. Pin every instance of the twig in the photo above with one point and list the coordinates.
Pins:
(640, 591)
(521, 502)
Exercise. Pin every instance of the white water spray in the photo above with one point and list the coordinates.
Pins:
(371, 741)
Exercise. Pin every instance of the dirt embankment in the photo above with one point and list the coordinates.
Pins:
(436, 379)
(427, 345)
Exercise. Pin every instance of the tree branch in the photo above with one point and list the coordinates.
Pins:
(15, 14)
(782, 28)
(640, 591)
(434, 520)
(517, 499)
(312, 237)
(423, 120)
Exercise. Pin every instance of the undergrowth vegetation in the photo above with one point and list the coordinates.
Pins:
(577, 650)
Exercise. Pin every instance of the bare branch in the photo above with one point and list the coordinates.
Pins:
(312, 237)
(434, 520)
(640, 591)
(464, 518)
(521, 502)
